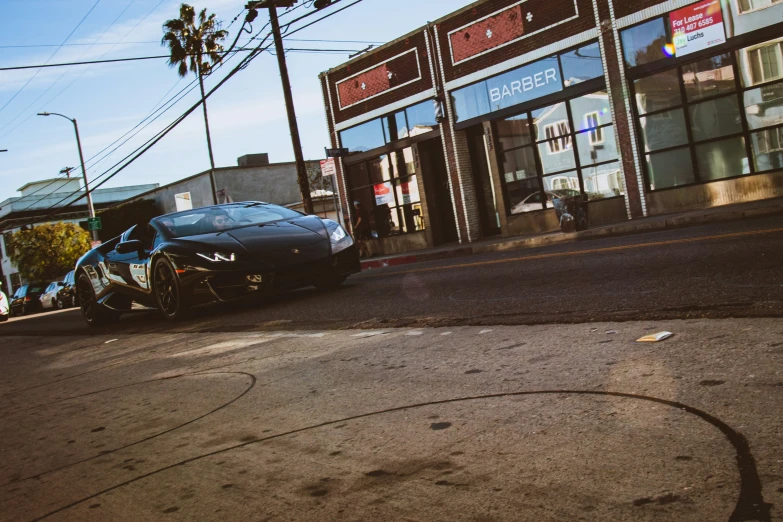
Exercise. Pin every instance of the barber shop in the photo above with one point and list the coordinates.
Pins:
(511, 118)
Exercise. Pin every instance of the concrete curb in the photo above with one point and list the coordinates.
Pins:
(559, 238)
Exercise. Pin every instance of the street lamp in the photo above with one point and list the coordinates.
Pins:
(90, 208)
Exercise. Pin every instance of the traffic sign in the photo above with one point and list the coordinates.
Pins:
(94, 223)
(336, 153)
(328, 168)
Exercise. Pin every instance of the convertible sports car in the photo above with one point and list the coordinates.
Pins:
(212, 254)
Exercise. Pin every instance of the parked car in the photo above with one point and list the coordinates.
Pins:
(4, 310)
(27, 300)
(49, 299)
(67, 293)
(213, 253)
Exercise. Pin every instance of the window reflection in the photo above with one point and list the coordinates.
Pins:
(364, 137)
(582, 64)
(670, 169)
(644, 43)
(761, 63)
(554, 117)
(709, 77)
(471, 101)
(604, 181)
(591, 111)
(764, 106)
(514, 132)
(715, 118)
(421, 118)
(768, 149)
(525, 196)
(597, 146)
(664, 130)
(658, 92)
(722, 159)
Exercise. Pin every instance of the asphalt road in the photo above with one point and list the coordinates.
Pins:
(543, 423)
(722, 270)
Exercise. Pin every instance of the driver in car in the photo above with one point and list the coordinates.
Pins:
(220, 220)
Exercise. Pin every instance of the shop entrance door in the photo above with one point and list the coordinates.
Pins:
(436, 185)
(482, 181)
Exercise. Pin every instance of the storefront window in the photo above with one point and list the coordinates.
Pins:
(644, 43)
(715, 118)
(421, 118)
(582, 125)
(722, 159)
(582, 64)
(387, 187)
(768, 149)
(471, 101)
(709, 77)
(670, 169)
(764, 106)
(364, 137)
(657, 92)
(663, 130)
(524, 84)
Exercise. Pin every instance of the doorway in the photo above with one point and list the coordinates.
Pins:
(436, 186)
(482, 181)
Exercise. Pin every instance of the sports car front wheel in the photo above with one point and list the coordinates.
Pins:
(172, 301)
(94, 313)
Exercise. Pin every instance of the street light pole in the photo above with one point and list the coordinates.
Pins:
(90, 208)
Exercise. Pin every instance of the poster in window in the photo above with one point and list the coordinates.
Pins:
(383, 194)
(405, 188)
(697, 27)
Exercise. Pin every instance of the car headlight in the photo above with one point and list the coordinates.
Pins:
(218, 257)
(338, 235)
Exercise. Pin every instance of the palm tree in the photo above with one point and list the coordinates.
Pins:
(196, 48)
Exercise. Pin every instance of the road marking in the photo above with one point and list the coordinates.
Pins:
(415, 332)
(578, 252)
(482, 332)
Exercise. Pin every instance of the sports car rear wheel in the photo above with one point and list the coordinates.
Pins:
(172, 302)
(94, 313)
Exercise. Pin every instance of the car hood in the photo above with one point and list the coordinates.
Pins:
(258, 239)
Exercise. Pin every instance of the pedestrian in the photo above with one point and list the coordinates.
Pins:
(361, 229)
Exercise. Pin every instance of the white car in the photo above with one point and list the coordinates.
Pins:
(4, 310)
(49, 299)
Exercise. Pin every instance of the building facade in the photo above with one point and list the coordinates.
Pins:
(471, 126)
(35, 204)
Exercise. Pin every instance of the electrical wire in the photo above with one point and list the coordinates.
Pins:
(52, 56)
(133, 156)
(22, 112)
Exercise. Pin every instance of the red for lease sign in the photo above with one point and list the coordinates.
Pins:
(697, 27)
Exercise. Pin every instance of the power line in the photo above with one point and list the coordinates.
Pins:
(52, 56)
(22, 112)
(161, 134)
(30, 46)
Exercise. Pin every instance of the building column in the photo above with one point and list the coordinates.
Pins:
(619, 93)
(344, 205)
(425, 210)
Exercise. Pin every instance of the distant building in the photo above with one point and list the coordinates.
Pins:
(38, 199)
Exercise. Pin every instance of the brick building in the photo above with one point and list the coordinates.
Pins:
(642, 107)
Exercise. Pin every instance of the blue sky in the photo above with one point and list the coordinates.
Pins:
(247, 115)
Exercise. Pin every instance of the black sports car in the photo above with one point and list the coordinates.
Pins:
(212, 254)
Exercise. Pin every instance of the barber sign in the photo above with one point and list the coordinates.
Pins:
(697, 27)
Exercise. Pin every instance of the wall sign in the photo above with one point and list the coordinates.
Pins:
(697, 27)
(381, 78)
(516, 22)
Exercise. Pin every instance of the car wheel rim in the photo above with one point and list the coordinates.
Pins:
(86, 301)
(166, 289)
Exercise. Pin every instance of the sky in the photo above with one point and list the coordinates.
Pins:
(246, 115)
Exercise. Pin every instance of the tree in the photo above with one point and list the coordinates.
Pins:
(196, 48)
(49, 251)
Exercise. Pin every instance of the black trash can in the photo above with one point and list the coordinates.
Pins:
(571, 212)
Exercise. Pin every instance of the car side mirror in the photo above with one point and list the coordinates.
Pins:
(129, 247)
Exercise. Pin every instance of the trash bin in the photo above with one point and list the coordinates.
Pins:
(571, 212)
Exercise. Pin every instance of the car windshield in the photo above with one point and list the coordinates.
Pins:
(225, 217)
(36, 289)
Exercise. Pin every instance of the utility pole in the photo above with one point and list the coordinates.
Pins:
(301, 169)
(90, 207)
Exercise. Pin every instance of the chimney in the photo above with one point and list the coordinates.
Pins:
(253, 160)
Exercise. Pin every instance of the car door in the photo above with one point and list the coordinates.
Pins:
(17, 301)
(129, 271)
(46, 297)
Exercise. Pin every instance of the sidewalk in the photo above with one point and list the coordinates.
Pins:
(754, 209)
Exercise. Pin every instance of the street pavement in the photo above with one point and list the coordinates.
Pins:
(507, 423)
(500, 387)
(716, 271)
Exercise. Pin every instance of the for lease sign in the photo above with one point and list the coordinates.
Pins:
(697, 27)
